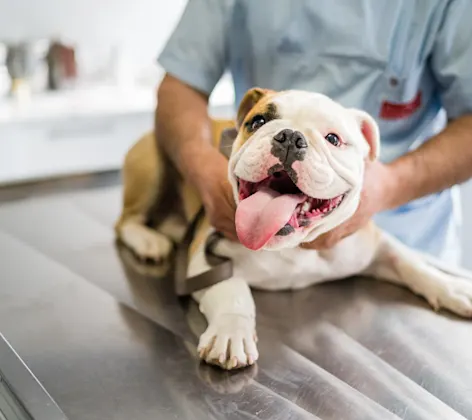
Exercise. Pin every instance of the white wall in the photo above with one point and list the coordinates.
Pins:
(467, 225)
(139, 28)
(104, 32)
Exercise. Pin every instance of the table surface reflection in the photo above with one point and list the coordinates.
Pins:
(108, 339)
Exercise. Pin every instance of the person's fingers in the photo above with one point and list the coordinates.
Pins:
(232, 237)
(227, 228)
(325, 241)
(331, 239)
(229, 233)
(317, 245)
(229, 200)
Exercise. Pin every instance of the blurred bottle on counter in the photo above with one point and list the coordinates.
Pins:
(24, 61)
(62, 66)
(35, 66)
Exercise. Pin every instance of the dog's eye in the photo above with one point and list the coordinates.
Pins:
(333, 139)
(257, 122)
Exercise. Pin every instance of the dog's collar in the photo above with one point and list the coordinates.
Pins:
(221, 268)
(228, 136)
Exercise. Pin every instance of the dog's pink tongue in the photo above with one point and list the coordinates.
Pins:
(260, 216)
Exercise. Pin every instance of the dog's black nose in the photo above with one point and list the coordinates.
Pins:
(289, 146)
(290, 137)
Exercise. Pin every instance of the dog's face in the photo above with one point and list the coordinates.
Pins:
(297, 166)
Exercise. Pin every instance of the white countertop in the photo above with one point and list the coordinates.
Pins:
(94, 101)
(83, 130)
(86, 102)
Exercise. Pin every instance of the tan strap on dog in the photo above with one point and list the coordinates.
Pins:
(221, 267)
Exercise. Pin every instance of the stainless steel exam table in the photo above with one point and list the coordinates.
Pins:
(89, 333)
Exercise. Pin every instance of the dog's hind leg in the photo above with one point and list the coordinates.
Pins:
(146, 180)
(143, 179)
(401, 265)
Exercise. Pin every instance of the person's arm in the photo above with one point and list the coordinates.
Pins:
(194, 59)
(183, 131)
(446, 159)
(443, 161)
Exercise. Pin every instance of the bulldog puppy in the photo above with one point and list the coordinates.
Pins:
(296, 169)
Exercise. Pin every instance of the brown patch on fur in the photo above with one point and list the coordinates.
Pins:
(142, 174)
(251, 101)
(153, 188)
(167, 199)
(263, 106)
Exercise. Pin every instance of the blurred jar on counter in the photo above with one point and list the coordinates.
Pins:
(36, 66)
(62, 66)
(25, 65)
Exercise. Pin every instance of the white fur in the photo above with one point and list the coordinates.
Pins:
(229, 306)
(230, 338)
(326, 172)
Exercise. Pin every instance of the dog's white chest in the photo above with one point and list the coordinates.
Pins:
(296, 268)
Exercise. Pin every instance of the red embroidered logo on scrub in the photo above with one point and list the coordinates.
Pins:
(396, 111)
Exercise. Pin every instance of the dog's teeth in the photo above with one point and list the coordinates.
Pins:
(306, 206)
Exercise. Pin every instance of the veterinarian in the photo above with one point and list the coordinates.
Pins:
(408, 64)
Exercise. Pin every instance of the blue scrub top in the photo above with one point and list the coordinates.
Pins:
(408, 63)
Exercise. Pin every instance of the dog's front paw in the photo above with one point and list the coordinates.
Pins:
(229, 342)
(455, 295)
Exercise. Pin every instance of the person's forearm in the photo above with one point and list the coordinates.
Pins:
(183, 128)
(443, 161)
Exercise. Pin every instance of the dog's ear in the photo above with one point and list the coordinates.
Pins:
(370, 131)
(249, 101)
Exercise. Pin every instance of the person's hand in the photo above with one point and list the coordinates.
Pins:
(217, 196)
(376, 190)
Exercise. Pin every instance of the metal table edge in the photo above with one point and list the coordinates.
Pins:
(27, 389)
